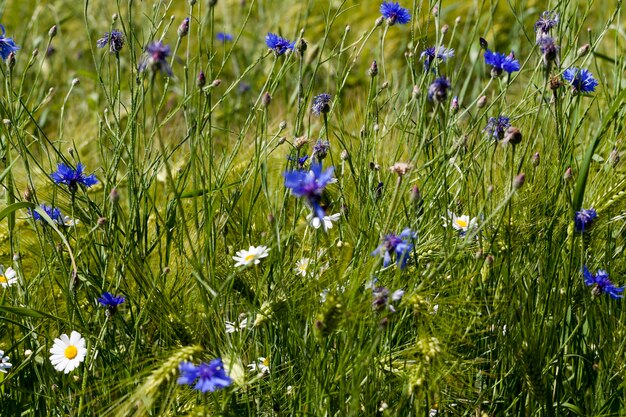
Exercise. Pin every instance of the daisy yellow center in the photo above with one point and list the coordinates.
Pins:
(266, 362)
(461, 223)
(71, 352)
(3, 279)
(249, 257)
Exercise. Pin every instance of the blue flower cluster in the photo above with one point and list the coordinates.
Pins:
(7, 45)
(601, 283)
(310, 185)
(394, 13)
(206, 377)
(398, 246)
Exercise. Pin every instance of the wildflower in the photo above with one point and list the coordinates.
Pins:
(321, 104)
(4, 362)
(69, 222)
(582, 81)
(7, 45)
(438, 90)
(381, 298)
(394, 13)
(299, 161)
(262, 366)
(8, 276)
(155, 58)
(183, 29)
(252, 255)
(549, 49)
(73, 177)
(210, 377)
(68, 352)
(224, 37)
(401, 168)
(398, 245)
(546, 21)
(310, 185)
(497, 126)
(461, 223)
(110, 301)
(601, 284)
(232, 327)
(320, 149)
(432, 54)
(115, 40)
(277, 44)
(373, 71)
(500, 62)
(583, 219)
(302, 266)
(326, 221)
(53, 212)
(454, 105)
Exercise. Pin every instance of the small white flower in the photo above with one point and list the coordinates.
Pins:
(460, 223)
(328, 221)
(8, 277)
(262, 366)
(250, 256)
(232, 327)
(69, 222)
(4, 362)
(302, 266)
(68, 352)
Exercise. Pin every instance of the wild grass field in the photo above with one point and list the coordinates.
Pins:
(312, 208)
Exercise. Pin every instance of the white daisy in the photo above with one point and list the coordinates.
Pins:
(328, 221)
(8, 277)
(262, 366)
(232, 327)
(252, 255)
(4, 362)
(460, 223)
(302, 266)
(68, 352)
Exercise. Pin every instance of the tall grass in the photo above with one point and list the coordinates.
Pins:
(496, 320)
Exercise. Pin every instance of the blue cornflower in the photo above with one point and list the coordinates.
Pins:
(53, 212)
(7, 45)
(582, 81)
(155, 58)
(310, 185)
(224, 37)
(188, 373)
(546, 21)
(278, 44)
(73, 177)
(115, 39)
(394, 13)
(601, 283)
(583, 219)
(497, 126)
(321, 104)
(548, 48)
(110, 301)
(438, 90)
(500, 62)
(320, 149)
(210, 377)
(429, 55)
(400, 245)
